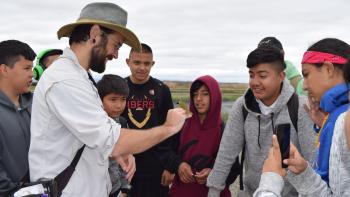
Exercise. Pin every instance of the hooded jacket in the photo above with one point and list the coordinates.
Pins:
(256, 131)
(199, 143)
(335, 101)
(14, 142)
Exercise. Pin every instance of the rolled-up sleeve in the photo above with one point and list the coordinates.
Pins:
(77, 105)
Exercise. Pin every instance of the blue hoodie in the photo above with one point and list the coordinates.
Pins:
(334, 101)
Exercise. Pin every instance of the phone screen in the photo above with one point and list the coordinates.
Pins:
(283, 137)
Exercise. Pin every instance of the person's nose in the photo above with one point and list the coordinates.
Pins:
(305, 86)
(253, 82)
(198, 97)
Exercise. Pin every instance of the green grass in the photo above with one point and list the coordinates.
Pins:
(180, 92)
(228, 94)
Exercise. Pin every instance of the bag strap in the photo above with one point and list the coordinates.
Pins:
(63, 178)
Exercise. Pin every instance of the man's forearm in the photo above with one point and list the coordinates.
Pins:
(133, 141)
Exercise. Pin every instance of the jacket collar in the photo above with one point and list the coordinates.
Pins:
(335, 97)
(25, 100)
(252, 105)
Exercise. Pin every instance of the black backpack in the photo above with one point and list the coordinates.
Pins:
(293, 105)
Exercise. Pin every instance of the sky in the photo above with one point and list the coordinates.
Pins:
(190, 38)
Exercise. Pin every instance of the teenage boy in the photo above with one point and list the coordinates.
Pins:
(198, 142)
(148, 102)
(16, 61)
(113, 91)
(292, 73)
(265, 105)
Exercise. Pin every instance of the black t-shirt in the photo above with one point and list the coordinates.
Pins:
(147, 106)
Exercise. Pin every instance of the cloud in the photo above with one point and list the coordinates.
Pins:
(191, 38)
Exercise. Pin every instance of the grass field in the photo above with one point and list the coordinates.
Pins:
(230, 91)
(180, 91)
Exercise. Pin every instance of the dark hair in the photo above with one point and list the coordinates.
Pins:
(336, 47)
(270, 42)
(144, 49)
(81, 33)
(112, 84)
(11, 50)
(195, 87)
(43, 59)
(266, 55)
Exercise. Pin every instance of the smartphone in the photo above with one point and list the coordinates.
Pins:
(283, 137)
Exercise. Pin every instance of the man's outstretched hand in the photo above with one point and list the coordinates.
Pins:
(175, 119)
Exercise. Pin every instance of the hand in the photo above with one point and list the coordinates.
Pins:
(201, 177)
(123, 195)
(185, 173)
(296, 163)
(128, 165)
(315, 113)
(175, 119)
(273, 163)
(167, 178)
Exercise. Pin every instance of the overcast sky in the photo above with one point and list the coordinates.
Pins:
(190, 38)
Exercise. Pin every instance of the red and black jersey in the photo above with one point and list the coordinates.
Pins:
(147, 106)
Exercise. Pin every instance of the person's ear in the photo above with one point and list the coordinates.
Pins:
(95, 31)
(282, 75)
(127, 60)
(329, 68)
(3, 70)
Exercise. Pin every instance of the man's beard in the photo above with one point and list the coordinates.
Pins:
(98, 57)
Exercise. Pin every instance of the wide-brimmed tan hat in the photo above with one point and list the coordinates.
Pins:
(108, 15)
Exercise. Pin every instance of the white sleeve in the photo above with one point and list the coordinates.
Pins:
(271, 185)
(77, 105)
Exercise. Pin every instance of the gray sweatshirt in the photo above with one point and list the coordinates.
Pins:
(257, 132)
(14, 142)
(309, 183)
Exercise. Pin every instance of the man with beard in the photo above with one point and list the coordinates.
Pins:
(72, 136)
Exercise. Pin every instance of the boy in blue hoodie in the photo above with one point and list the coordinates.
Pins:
(16, 61)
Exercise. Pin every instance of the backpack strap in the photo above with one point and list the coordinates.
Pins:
(241, 186)
(293, 106)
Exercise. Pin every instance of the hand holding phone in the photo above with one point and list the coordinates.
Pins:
(283, 137)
